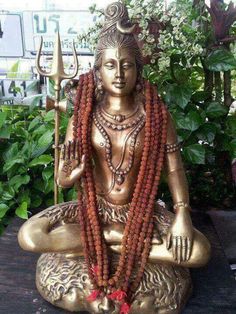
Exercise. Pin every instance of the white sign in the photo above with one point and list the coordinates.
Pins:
(11, 43)
(44, 23)
(12, 90)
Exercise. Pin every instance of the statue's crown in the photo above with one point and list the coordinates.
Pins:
(116, 19)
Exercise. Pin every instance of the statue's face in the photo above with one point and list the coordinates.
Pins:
(118, 71)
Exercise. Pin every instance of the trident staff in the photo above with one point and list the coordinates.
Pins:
(57, 74)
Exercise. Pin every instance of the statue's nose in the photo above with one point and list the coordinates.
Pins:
(119, 71)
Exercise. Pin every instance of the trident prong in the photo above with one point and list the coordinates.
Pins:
(57, 71)
(57, 74)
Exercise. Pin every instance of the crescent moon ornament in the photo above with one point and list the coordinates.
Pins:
(124, 30)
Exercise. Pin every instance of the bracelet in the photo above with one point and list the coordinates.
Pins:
(179, 205)
(170, 148)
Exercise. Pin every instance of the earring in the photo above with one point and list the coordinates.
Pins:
(99, 90)
(100, 87)
(139, 85)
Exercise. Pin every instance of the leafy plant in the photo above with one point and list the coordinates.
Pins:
(26, 161)
(191, 66)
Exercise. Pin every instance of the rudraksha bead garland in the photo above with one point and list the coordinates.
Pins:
(137, 237)
(76, 107)
(160, 150)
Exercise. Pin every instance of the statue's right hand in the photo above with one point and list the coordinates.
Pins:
(70, 170)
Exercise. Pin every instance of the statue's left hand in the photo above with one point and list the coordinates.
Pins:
(180, 236)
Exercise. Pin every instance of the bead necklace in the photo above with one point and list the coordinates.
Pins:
(137, 236)
(118, 117)
(115, 126)
(119, 173)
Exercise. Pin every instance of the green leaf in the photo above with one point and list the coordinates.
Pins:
(231, 125)
(200, 96)
(8, 193)
(220, 60)
(194, 153)
(3, 209)
(14, 70)
(11, 152)
(193, 120)
(47, 173)
(41, 160)
(5, 132)
(72, 194)
(183, 135)
(32, 87)
(39, 185)
(49, 116)
(25, 197)
(18, 181)
(21, 211)
(178, 94)
(36, 201)
(46, 139)
(207, 132)
(3, 116)
(232, 149)
(40, 130)
(49, 186)
(10, 163)
(36, 121)
(49, 201)
(216, 110)
(179, 119)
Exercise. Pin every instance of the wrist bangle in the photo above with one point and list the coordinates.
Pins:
(171, 148)
(179, 205)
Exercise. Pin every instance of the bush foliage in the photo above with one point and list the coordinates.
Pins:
(194, 70)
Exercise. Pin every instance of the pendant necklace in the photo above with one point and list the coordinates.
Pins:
(138, 125)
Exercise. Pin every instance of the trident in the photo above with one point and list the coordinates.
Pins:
(57, 74)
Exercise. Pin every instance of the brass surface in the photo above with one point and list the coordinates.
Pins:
(61, 272)
(62, 277)
(57, 74)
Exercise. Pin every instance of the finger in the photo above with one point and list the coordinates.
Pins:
(174, 247)
(72, 150)
(62, 154)
(77, 150)
(188, 249)
(66, 151)
(82, 162)
(179, 249)
(77, 172)
(69, 150)
(184, 249)
(168, 240)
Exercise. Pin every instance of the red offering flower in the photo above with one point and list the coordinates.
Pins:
(125, 308)
(93, 296)
(118, 295)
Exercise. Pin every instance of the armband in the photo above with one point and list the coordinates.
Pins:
(171, 148)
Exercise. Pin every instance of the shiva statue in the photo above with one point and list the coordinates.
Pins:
(116, 249)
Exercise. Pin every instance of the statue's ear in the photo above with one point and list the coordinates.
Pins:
(97, 75)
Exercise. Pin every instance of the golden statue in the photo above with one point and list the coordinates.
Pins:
(116, 249)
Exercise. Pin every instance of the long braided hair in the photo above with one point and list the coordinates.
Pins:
(137, 237)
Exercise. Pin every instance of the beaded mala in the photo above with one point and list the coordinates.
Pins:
(137, 237)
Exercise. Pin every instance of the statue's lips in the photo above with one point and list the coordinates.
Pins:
(119, 84)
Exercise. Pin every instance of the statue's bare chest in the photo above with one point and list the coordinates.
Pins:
(118, 144)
